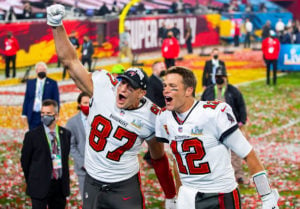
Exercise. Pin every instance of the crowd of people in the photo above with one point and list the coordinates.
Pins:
(33, 10)
(117, 112)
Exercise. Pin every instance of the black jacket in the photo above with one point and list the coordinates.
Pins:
(155, 91)
(37, 163)
(87, 50)
(233, 97)
(75, 42)
(208, 68)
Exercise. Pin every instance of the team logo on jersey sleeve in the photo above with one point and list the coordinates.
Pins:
(166, 129)
(196, 131)
(230, 118)
(137, 123)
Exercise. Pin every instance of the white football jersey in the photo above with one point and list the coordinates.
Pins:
(115, 135)
(203, 161)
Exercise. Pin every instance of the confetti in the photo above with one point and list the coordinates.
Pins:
(272, 128)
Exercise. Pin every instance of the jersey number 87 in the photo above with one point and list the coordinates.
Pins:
(98, 138)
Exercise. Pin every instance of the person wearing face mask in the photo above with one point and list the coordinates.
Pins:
(210, 67)
(271, 48)
(11, 45)
(228, 93)
(44, 160)
(37, 90)
(87, 52)
(170, 49)
(78, 125)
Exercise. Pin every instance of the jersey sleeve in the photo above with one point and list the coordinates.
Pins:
(238, 143)
(225, 121)
(103, 79)
(161, 128)
(149, 115)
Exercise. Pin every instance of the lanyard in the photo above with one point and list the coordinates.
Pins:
(57, 138)
(222, 92)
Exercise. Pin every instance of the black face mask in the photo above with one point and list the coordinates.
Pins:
(216, 56)
(169, 36)
(162, 73)
(219, 80)
(41, 75)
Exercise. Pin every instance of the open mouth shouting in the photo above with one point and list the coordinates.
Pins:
(121, 98)
(168, 100)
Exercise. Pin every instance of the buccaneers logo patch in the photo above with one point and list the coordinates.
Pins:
(230, 118)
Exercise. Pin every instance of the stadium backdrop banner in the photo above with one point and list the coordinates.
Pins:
(289, 57)
(36, 40)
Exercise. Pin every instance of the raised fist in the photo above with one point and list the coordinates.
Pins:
(55, 14)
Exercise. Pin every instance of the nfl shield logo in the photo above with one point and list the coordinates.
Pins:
(180, 129)
(122, 113)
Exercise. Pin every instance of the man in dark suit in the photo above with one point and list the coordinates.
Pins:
(210, 67)
(44, 160)
(155, 92)
(155, 87)
(78, 125)
(37, 90)
(162, 33)
(288, 36)
(87, 52)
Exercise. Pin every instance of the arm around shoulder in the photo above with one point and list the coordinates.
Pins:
(161, 167)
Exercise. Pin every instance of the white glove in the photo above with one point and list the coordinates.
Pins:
(170, 203)
(55, 14)
(270, 201)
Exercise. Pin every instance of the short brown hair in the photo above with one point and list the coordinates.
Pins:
(82, 94)
(188, 77)
(50, 102)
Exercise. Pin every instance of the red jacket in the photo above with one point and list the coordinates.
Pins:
(11, 46)
(170, 48)
(237, 30)
(271, 48)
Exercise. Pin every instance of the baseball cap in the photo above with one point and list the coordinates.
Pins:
(136, 77)
(118, 69)
(220, 71)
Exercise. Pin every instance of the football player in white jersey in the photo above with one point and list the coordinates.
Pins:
(120, 119)
(201, 135)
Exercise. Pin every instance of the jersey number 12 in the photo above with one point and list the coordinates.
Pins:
(190, 158)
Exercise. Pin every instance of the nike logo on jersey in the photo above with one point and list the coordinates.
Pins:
(223, 109)
(126, 198)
